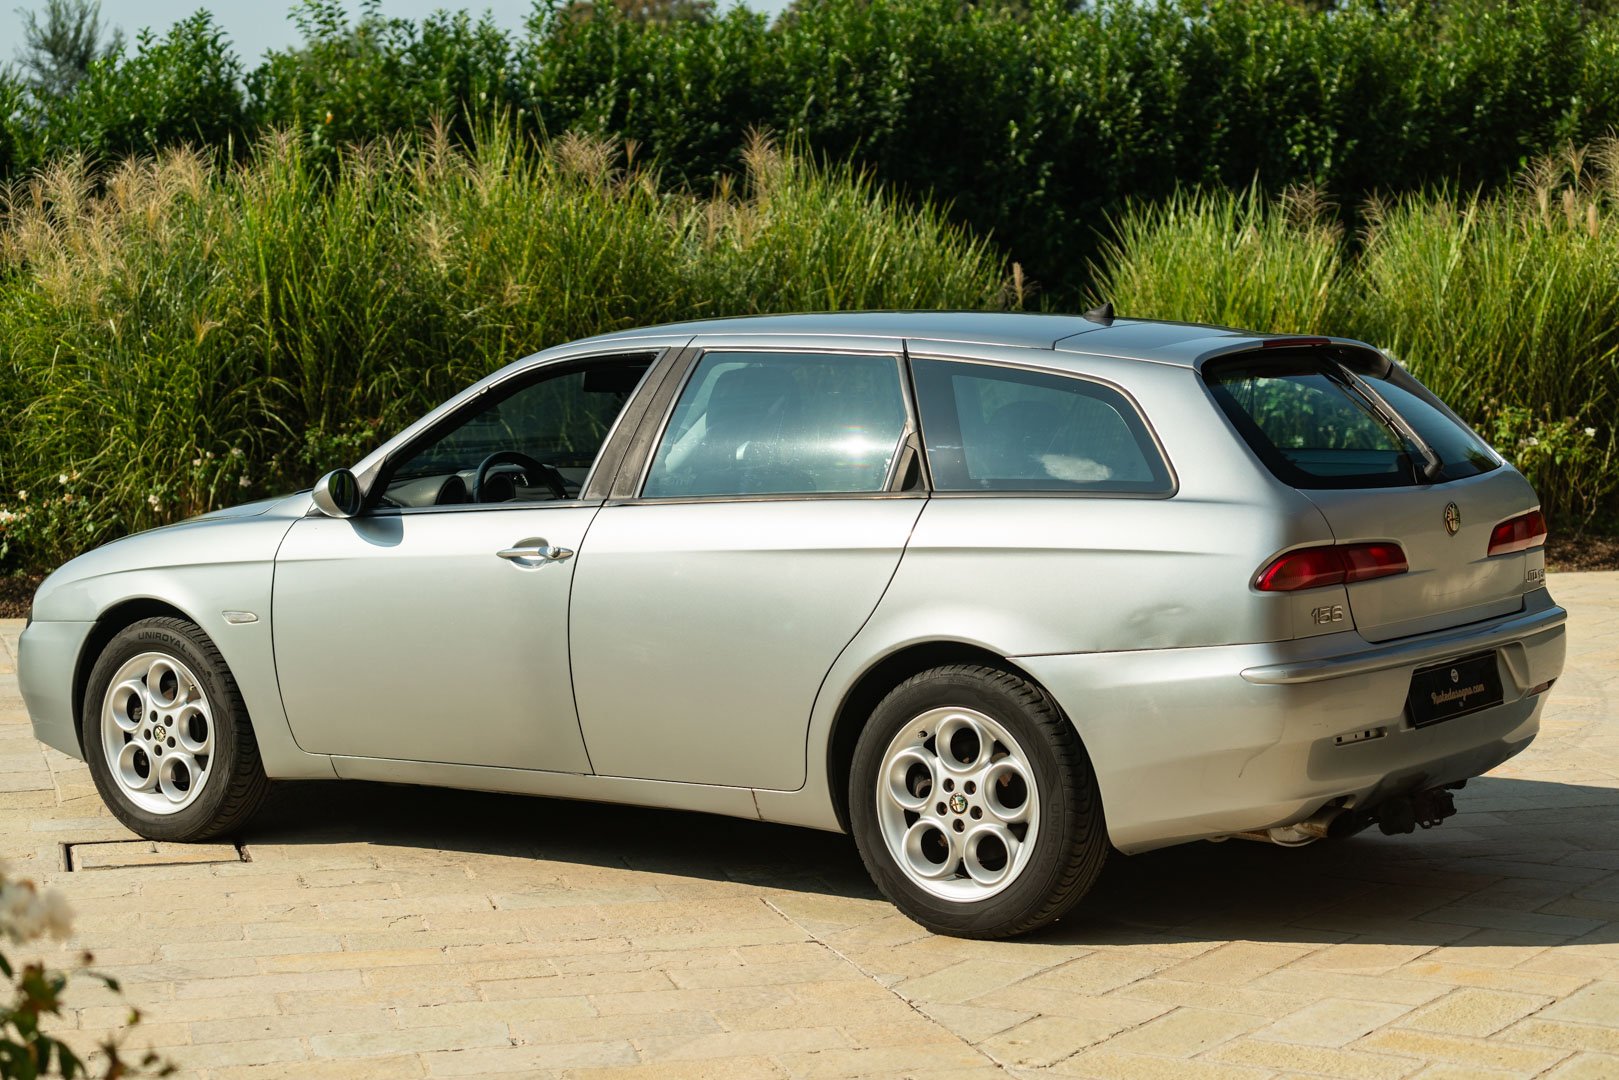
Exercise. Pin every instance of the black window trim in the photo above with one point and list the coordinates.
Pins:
(616, 440)
(1049, 493)
(633, 475)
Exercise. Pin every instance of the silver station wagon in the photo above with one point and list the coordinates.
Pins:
(999, 594)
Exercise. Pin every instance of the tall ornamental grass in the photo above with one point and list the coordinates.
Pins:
(1231, 259)
(1507, 305)
(177, 336)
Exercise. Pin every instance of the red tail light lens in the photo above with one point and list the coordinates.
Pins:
(1519, 534)
(1362, 562)
(1336, 564)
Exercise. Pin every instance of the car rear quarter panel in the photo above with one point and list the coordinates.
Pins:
(1061, 573)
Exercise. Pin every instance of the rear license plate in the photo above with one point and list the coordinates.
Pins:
(1456, 688)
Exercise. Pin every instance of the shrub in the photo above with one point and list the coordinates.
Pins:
(1034, 121)
(1506, 305)
(177, 334)
(182, 88)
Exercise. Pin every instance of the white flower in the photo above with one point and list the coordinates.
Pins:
(1590, 432)
(236, 451)
(26, 913)
(243, 482)
(195, 462)
(61, 478)
(153, 501)
(1531, 441)
(6, 515)
(23, 495)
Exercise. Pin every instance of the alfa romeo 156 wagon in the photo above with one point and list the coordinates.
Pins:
(998, 594)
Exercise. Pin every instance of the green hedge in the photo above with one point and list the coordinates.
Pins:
(1033, 120)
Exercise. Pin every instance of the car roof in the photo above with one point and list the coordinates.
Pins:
(1164, 342)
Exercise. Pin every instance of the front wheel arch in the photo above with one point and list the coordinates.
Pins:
(109, 624)
(874, 684)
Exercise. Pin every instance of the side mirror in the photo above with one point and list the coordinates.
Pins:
(337, 494)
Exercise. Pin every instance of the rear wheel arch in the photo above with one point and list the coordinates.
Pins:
(108, 625)
(874, 684)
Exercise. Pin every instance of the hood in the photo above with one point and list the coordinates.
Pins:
(252, 509)
(249, 533)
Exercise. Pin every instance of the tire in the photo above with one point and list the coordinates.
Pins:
(212, 780)
(929, 726)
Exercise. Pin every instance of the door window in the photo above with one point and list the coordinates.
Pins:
(990, 428)
(534, 442)
(781, 424)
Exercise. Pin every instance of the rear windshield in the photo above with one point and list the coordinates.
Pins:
(1317, 426)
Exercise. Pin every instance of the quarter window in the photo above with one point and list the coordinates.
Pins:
(990, 428)
(781, 424)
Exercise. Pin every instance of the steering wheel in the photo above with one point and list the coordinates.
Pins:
(531, 468)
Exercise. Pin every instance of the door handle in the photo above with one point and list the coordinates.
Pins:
(535, 548)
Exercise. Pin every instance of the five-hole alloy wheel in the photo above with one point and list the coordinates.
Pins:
(167, 736)
(973, 803)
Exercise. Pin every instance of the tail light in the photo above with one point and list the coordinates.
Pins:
(1519, 534)
(1293, 342)
(1335, 564)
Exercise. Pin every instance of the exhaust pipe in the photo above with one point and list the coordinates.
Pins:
(1318, 826)
(1396, 815)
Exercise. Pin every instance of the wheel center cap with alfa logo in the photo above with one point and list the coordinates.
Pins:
(1455, 676)
(1453, 518)
(958, 803)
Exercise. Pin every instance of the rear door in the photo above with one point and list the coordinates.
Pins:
(716, 592)
(1385, 460)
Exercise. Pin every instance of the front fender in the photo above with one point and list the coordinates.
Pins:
(201, 569)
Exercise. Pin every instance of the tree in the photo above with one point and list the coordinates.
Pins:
(59, 47)
(649, 11)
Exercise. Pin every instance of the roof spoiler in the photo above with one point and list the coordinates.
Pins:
(1357, 356)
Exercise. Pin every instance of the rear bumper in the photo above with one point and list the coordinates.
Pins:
(1194, 743)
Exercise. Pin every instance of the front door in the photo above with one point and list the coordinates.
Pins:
(433, 627)
(709, 607)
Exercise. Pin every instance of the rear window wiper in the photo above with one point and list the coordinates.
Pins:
(1432, 466)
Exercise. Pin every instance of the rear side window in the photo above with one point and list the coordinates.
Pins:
(781, 424)
(990, 428)
(1317, 426)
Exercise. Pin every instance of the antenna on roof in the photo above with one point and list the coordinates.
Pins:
(1101, 313)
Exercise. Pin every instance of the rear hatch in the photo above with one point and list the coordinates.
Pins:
(1384, 460)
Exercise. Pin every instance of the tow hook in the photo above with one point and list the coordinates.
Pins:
(1402, 814)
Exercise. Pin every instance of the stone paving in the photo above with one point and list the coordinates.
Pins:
(377, 931)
